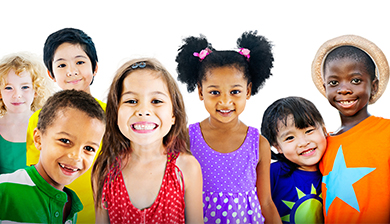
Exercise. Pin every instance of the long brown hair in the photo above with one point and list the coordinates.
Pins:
(116, 147)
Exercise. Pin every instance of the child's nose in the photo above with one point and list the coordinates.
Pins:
(225, 99)
(143, 110)
(344, 89)
(18, 93)
(75, 153)
(303, 142)
(72, 71)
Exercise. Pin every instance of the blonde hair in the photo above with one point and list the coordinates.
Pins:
(25, 61)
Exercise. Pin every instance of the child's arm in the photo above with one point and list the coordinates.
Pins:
(263, 185)
(101, 214)
(193, 184)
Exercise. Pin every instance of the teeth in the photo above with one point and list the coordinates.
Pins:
(74, 170)
(224, 111)
(346, 102)
(144, 126)
(306, 152)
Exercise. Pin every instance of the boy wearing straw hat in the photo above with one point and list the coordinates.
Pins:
(352, 72)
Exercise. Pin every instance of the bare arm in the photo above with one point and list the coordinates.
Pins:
(101, 214)
(193, 184)
(263, 185)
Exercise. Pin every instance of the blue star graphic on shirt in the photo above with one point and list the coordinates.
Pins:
(339, 181)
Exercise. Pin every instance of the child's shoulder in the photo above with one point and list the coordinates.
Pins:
(187, 163)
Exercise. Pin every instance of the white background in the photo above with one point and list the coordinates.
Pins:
(122, 30)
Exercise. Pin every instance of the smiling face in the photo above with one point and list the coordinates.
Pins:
(348, 86)
(72, 68)
(145, 113)
(67, 151)
(18, 92)
(224, 91)
(304, 147)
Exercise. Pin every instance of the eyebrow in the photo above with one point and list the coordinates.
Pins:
(77, 56)
(216, 86)
(152, 93)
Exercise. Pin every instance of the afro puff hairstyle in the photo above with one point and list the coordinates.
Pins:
(256, 69)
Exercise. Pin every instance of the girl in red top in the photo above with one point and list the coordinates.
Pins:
(145, 172)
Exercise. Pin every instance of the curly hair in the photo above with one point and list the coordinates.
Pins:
(116, 147)
(25, 61)
(304, 113)
(256, 69)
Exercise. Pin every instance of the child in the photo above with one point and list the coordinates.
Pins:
(235, 159)
(24, 89)
(144, 156)
(296, 129)
(71, 60)
(36, 194)
(352, 72)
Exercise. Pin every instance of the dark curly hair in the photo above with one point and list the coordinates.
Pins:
(256, 69)
(353, 53)
(305, 115)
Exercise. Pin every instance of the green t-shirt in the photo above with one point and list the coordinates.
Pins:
(12, 156)
(27, 198)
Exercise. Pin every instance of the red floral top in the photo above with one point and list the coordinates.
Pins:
(167, 208)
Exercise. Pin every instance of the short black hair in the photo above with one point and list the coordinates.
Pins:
(305, 115)
(72, 36)
(256, 69)
(76, 99)
(353, 53)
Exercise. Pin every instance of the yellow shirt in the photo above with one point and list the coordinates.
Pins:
(82, 185)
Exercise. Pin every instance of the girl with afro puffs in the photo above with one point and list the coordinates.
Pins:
(235, 158)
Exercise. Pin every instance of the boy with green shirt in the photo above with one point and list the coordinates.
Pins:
(37, 194)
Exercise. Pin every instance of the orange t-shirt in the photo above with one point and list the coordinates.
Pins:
(356, 174)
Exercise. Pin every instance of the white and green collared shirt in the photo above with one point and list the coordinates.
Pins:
(25, 197)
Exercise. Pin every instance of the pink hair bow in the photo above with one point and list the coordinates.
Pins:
(202, 54)
(246, 52)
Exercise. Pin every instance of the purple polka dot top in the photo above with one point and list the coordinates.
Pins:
(229, 179)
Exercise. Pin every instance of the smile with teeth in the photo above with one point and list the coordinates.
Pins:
(68, 168)
(347, 102)
(307, 151)
(225, 111)
(142, 127)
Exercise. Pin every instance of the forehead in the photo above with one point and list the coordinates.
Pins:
(23, 76)
(345, 64)
(69, 49)
(144, 80)
(225, 74)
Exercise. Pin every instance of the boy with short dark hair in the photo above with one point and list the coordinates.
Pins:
(71, 60)
(352, 72)
(37, 194)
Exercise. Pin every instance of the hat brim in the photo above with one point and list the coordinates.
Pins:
(382, 67)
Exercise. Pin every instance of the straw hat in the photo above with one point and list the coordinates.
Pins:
(382, 67)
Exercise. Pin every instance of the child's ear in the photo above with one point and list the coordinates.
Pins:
(37, 137)
(51, 76)
(277, 147)
(96, 69)
(200, 92)
(173, 119)
(374, 87)
(249, 91)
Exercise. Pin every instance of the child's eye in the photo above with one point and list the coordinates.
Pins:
(8, 88)
(356, 81)
(156, 101)
(89, 149)
(64, 140)
(131, 101)
(214, 92)
(80, 62)
(234, 92)
(289, 138)
(333, 83)
(309, 130)
(61, 66)
(25, 87)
